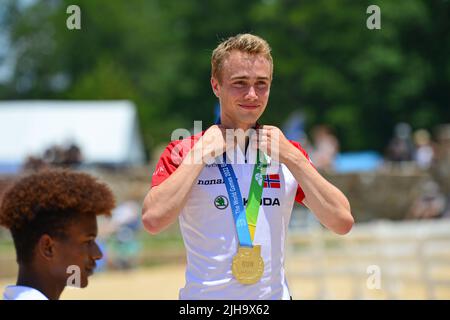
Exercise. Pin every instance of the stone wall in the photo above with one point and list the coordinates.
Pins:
(375, 195)
(372, 195)
(379, 195)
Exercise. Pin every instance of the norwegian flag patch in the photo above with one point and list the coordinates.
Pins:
(272, 181)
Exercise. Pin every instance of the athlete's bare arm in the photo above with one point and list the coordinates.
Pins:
(327, 202)
(164, 202)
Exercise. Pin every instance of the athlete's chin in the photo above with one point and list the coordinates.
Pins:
(249, 116)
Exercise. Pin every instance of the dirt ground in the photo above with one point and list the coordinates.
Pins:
(163, 283)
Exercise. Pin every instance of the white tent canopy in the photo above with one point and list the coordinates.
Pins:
(105, 131)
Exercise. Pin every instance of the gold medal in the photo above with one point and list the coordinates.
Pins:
(248, 266)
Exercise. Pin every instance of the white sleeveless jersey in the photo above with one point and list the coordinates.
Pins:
(209, 231)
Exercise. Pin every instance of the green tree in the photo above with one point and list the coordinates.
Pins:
(157, 53)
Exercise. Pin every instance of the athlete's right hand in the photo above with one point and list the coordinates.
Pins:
(213, 143)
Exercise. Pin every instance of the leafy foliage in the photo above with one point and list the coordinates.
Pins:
(157, 53)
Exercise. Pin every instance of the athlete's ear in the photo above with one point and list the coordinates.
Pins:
(215, 86)
(46, 247)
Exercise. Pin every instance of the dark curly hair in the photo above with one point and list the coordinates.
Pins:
(47, 202)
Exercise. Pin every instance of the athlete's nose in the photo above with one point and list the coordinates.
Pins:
(251, 94)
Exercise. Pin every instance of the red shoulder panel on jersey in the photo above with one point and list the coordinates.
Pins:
(300, 195)
(172, 157)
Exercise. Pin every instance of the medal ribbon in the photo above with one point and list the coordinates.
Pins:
(255, 194)
(245, 219)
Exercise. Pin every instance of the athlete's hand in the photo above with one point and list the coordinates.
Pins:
(212, 143)
(274, 143)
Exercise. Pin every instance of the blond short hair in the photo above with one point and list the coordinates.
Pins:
(246, 42)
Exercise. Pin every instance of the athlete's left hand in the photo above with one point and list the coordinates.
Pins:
(274, 143)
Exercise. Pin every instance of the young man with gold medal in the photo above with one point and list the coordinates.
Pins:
(233, 186)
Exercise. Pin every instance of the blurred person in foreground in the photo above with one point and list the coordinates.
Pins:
(233, 186)
(52, 217)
